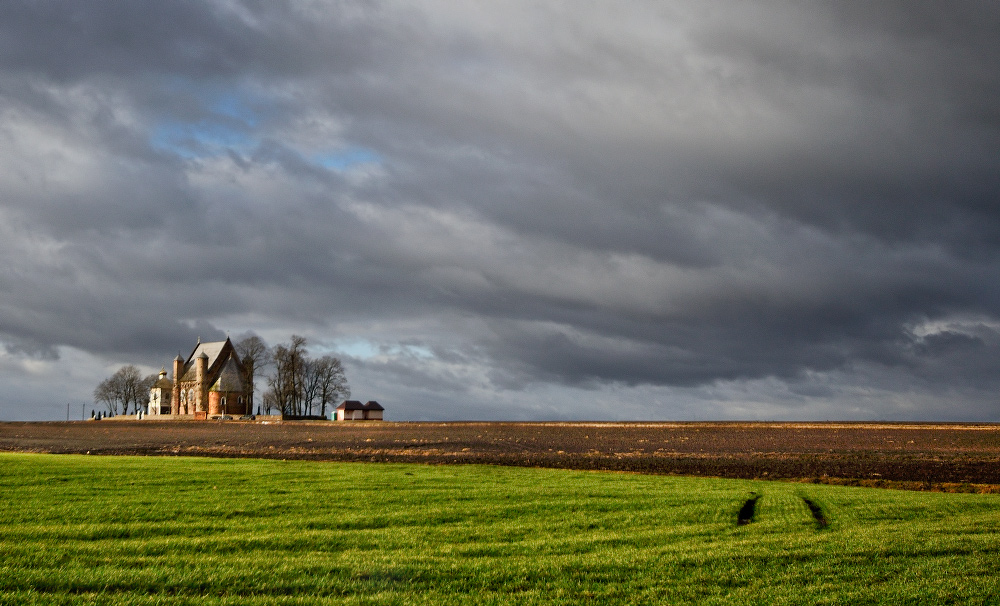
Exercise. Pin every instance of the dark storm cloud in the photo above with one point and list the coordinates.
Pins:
(905, 148)
(793, 200)
(187, 40)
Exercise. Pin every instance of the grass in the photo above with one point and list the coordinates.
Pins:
(120, 530)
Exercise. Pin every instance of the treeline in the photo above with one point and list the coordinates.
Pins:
(297, 384)
(125, 391)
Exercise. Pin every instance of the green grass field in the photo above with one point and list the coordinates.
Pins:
(120, 530)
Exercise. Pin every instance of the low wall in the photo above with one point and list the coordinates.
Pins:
(195, 417)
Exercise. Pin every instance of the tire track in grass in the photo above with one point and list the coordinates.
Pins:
(749, 510)
(817, 513)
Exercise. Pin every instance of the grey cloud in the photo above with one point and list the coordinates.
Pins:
(775, 197)
(185, 40)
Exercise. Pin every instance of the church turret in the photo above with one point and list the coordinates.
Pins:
(200, 370)
(175, 400)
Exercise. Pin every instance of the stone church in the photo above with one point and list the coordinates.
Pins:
(210, 382)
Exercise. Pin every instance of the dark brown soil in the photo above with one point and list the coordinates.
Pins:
(911, 455)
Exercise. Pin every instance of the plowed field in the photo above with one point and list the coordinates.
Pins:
(918, 456)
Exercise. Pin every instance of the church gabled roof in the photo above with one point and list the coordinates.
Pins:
(218, 354)
(229, 379)
(211, 350)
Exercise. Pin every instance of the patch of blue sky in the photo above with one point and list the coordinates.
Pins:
(224, 119)
(359, 348)
(366, 350)
(219, 99)
(234, 106)
(347, 157)
(201, 139)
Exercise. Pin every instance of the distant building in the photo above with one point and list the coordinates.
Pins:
(373, 411)
(210, 382)
(159, 395)
(350, 410)
(353, 410)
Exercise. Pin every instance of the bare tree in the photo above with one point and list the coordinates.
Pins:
(299, 383)
(310, 384)
(286, 385)
(332, 382)
(255, 355)
(106, 394)
(126, 388)
(269, 403)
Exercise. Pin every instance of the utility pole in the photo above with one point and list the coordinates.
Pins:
(67, 412)
(83, 411)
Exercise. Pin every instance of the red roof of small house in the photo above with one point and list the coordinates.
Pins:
(373, 405)
(351, 405)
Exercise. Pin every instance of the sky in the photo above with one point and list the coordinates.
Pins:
(567, 210)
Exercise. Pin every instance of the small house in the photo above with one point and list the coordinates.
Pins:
(350, 410)
(353, 410)
(373, 411)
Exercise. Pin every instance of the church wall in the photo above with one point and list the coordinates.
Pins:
(190, 398)
(234, 403)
